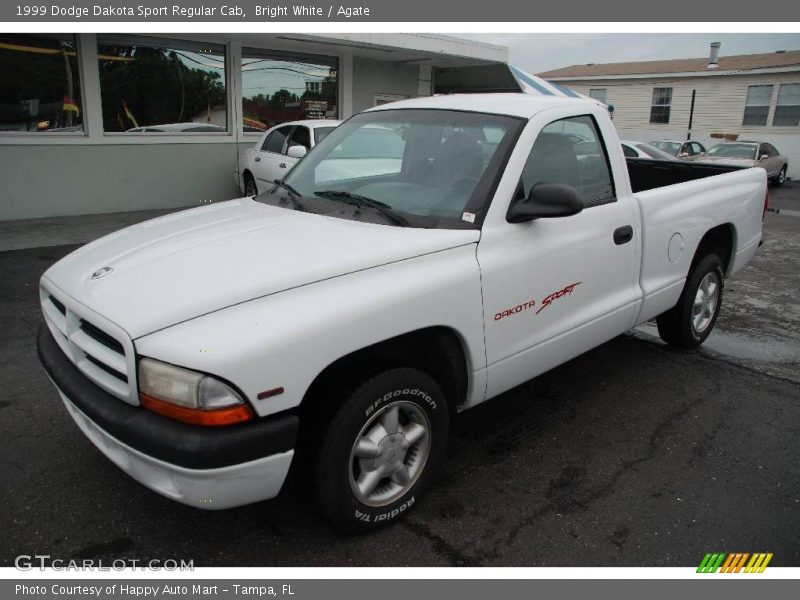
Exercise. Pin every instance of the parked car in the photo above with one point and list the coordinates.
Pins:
(642, 150)
(751, 154)
(341, 324)
(277, 151)
(678, 149)
(179, 128)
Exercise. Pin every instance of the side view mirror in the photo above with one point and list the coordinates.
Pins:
(763, 157)
(297, 151)
(684, 155)
(546, 200)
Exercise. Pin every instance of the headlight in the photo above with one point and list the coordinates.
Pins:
(189, 396)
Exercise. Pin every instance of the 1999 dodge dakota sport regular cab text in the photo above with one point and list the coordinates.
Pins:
(340, 318)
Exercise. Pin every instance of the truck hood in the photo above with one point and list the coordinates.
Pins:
(190, 263)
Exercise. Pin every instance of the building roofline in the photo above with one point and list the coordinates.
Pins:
(681, 75)
(680, 67)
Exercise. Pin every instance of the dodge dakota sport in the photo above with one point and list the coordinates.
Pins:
(337, 321)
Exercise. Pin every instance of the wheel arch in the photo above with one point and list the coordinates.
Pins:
(438, 351)
(719, 240)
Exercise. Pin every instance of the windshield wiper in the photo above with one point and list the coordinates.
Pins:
(364, 202)
(294, 195)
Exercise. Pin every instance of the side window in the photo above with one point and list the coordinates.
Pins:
(301, 137)
(629, 152)
(276, 140)
(697, 148)
(773, 150)
(557, 158)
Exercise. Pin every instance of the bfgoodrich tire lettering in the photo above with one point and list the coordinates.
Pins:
(690, 321)
(381, 450)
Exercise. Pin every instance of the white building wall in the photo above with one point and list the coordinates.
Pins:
(43, 175)
(719, 109)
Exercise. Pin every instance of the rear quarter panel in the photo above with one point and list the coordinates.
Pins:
(688, 211)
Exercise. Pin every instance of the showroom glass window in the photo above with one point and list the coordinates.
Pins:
(40, 84)
(787, 110)
(660, 108)
(756, 107)
(162, 86)
(279, 86)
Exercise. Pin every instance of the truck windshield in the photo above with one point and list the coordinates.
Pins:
(432, 168)
(746, 151)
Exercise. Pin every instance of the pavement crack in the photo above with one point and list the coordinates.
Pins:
(441, 547)
(584, 502)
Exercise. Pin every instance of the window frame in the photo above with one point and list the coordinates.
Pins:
(668, 105)
(778, 105)
(295, 130)
(275, 130)
(768, 105)
(45, 136)
(604, 100)
(158, 41)
(626, 149)
(288, 56)
(601, 143)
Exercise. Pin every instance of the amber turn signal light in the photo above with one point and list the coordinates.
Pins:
(211, 418)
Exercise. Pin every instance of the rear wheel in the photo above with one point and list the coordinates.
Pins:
(381, 450)
(690, 321)
(250, 187)
(781, 179)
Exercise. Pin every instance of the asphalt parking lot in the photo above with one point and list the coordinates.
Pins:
(631, 455)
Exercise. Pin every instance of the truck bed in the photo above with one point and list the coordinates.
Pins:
(646, 174)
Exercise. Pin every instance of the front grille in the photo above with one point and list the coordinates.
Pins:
(107, 369)
(102, 351)
(102, 337)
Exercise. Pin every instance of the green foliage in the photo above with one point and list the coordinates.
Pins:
(157, 86)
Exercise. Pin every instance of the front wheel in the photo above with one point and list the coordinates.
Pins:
(381, 450)
(690, 321)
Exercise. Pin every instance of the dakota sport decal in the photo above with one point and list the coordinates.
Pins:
(547, 301)
(566, 290)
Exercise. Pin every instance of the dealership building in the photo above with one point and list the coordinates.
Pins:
(105, 123)
(707, 99)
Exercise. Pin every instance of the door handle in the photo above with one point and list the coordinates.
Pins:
(258, 159)
(282, 165)
(623, 235)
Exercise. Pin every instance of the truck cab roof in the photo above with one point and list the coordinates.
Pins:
(511, 104)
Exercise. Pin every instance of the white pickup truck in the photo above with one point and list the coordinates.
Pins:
(340, 323)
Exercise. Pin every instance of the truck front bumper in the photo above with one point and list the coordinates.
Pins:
(206, 467)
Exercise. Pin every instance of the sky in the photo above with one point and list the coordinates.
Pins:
(538, 52)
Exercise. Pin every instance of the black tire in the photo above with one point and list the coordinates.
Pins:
(337, 470)
(250, 187)
(676, 325)
(781, 178)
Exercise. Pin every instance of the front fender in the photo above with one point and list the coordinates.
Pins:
(287, 339)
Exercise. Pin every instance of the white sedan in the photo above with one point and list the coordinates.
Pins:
(643, 150)
(277, 151)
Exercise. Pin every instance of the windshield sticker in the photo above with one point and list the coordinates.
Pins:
(468, 217)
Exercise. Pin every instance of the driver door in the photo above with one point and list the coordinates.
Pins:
(555, 287)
